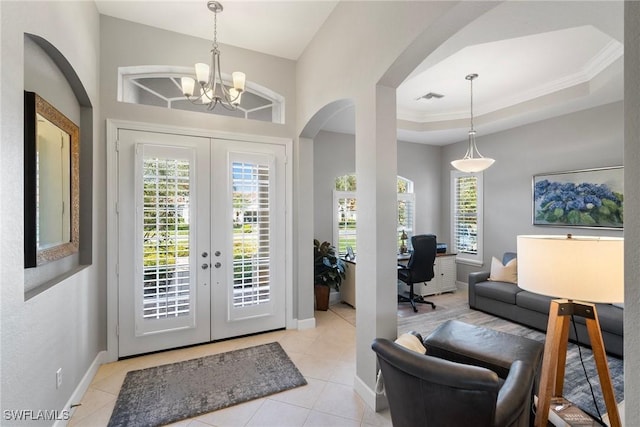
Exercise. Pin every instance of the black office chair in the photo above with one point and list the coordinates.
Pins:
(419, 268)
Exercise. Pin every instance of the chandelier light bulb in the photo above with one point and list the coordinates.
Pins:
(187, 86)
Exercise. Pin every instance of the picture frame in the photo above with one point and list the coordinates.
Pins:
(587, 198)
(51, 183)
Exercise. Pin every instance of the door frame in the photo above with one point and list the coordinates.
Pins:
(113, 125)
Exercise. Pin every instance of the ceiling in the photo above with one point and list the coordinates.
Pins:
(535, 60)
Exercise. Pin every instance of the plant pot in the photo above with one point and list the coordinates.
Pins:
(321, 293)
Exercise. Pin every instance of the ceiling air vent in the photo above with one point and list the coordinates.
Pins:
(430, 95)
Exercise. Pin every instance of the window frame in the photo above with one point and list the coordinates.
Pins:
(465, 257)
(127, 77)
(408, 196)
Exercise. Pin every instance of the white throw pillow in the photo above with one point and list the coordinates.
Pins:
(504, 273)
(411, 342)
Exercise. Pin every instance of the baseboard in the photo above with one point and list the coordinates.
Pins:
(82, 388)
(306, 323)
(334, 297)
(375, 401)
(462, 286)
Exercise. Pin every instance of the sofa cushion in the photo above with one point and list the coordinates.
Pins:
(504, 273)
(501, 291)
(534, 302)
(610, 318)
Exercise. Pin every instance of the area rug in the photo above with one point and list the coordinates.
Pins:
(576, 388)
(169, 393)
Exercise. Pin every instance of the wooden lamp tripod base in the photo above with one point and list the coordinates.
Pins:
(555, 356)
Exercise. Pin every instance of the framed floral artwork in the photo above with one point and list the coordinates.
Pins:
(583, 198)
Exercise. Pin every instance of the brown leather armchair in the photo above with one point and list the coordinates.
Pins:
(423, 390)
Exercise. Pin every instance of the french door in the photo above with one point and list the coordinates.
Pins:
(200, 239)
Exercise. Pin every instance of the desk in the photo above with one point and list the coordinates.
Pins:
(443, 281)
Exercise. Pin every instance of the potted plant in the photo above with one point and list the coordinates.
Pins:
(328, 272)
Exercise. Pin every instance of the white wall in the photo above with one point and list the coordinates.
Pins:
(587, 139)
(353, 57)
(63, 327)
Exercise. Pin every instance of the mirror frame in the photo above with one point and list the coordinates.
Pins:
(33, 257)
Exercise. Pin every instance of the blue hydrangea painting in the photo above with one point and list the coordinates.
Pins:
(587, 198)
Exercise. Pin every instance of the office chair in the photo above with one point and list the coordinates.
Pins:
(419, 268)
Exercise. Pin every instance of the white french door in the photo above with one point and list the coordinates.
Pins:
(201, 240)
(248, 239)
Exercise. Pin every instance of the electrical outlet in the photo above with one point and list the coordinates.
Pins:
(59, 378)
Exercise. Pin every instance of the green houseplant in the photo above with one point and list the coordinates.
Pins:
(328, 272)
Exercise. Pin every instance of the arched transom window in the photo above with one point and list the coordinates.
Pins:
(160, 86)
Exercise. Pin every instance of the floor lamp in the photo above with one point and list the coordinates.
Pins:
(573, 269)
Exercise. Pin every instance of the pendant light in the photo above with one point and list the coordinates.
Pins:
(472, 161)
(211, 90)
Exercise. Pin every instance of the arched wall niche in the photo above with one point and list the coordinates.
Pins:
(38, 49)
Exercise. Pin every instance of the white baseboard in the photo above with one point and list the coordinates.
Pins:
(375, 401)
(309, 323)
(462, 285)
(82, 387)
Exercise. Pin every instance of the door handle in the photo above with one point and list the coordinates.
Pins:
(217, 265)
(205, 266)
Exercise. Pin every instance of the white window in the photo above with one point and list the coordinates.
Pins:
(160, 86)
(344, 223)
(466, 214)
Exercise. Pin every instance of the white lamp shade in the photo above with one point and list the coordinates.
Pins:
(238, 80)
(236, 96)
(187, 86)
(472, 164)
(583, 268)
(202, 72)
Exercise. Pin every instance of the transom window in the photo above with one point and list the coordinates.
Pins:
(160, 86)
(344, 224)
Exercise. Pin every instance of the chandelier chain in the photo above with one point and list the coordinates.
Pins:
(215, 30)
(212, 89)
(471, 86)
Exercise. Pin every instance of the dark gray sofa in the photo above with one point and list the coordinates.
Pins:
(508, 301)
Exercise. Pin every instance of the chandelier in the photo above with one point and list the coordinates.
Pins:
(472, 161)
(212, 90)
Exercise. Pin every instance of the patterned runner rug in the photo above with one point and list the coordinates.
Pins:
(168, 393)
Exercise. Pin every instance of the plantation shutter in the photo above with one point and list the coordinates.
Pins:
(346, 220)
(406, 216)
(252, 233)
(465, 214)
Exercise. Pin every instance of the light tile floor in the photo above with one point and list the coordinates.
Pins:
(325, 356)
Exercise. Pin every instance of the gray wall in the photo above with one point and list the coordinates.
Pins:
(125, 43)
(586, 139)
(42, 76)
(334, 155)
(632, 210)
(63, 327)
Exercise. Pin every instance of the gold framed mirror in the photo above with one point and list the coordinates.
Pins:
(51, 183)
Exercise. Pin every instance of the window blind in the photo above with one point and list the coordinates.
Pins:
(465, 214)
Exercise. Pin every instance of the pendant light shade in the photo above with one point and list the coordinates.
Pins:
(472, 161)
